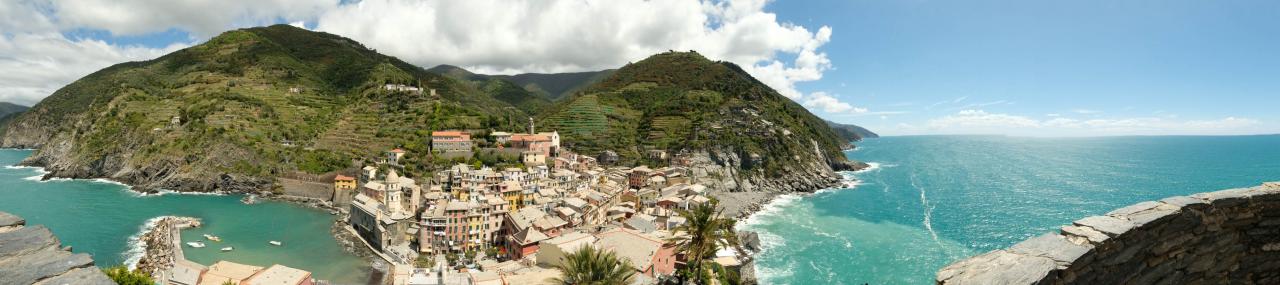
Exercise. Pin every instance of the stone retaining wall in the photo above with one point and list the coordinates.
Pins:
(307, 189)
(1229, 236)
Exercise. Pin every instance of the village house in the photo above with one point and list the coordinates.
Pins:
(551, 252)
(451, 141)
(343, 189)
(649, 255)
(500, 137)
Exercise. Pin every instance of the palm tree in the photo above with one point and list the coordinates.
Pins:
(591, 266)
(704, 232)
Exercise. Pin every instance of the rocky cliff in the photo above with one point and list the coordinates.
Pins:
(1224, 237)
(32, 255)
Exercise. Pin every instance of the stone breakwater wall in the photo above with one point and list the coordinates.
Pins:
(1229, 236)
(163, 246)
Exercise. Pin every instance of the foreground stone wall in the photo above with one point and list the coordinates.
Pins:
(1229, 236)
(32, 255)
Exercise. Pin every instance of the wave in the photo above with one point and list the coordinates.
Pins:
(136, 248)
(163, 192)
(928, 212)
(764, 273)
(873, 166)
(109, 181)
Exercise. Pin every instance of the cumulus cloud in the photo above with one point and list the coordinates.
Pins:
(39, 60)
(505, 37)
(487, 36)
(979, 121)
(829, 104)
(201, 18)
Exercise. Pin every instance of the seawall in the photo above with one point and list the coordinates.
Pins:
(1229, 236)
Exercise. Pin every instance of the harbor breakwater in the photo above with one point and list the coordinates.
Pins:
(1229, 236)
(161, 245)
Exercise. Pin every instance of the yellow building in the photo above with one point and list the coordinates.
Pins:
(511, 191)
(343, 182)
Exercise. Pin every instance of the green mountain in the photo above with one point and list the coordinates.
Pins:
(714, 114)
(246, 106)
(553, 86)
(851, 132)
(253, 104)
(504, 90)
(8, 111)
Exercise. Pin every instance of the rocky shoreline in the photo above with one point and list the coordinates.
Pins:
(742, 205)
(161, 244)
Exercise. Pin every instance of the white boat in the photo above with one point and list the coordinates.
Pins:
(275, 243)
(212, 237)
(249, 200)
(226, 249)
(195, 244)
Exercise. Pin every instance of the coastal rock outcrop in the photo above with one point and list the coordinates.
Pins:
(1229, 236)
(33, 255)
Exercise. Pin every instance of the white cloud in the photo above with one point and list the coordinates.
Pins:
(829, 104)
(487, 36)
(39, 59)
(1085, 111)
(201, 18)
(979, 121)
(490, 36)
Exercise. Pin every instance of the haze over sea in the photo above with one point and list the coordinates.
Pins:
(932, 200)
(101, 218)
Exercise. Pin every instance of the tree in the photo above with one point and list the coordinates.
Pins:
(704, 232)
(123, 276)
(589, 265)
(425, 261)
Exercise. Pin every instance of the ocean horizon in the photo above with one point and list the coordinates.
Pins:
(931, 200)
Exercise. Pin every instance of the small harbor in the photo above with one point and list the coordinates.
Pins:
(110, 220)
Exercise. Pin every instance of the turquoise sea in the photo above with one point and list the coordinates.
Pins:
(100, 218)
(933, 200)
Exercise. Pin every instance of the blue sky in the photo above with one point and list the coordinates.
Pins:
(1179, 61)
(1035, 68)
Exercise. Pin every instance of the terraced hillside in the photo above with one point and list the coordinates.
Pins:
(681, 102)
(231, 113)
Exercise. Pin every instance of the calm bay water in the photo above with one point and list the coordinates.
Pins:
(99, 218)
(933, 200)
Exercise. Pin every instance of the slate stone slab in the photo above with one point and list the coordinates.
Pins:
(1092, 235)
(1053, 246)
(25, 241)
(7, 220)
(1111, 226)
(998, 267)
(33, 253)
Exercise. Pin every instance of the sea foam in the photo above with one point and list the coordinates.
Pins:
(136, 247)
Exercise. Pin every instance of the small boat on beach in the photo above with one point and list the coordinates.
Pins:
(195, 244)
(226, 249)
(275, 243)
(212, 237)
